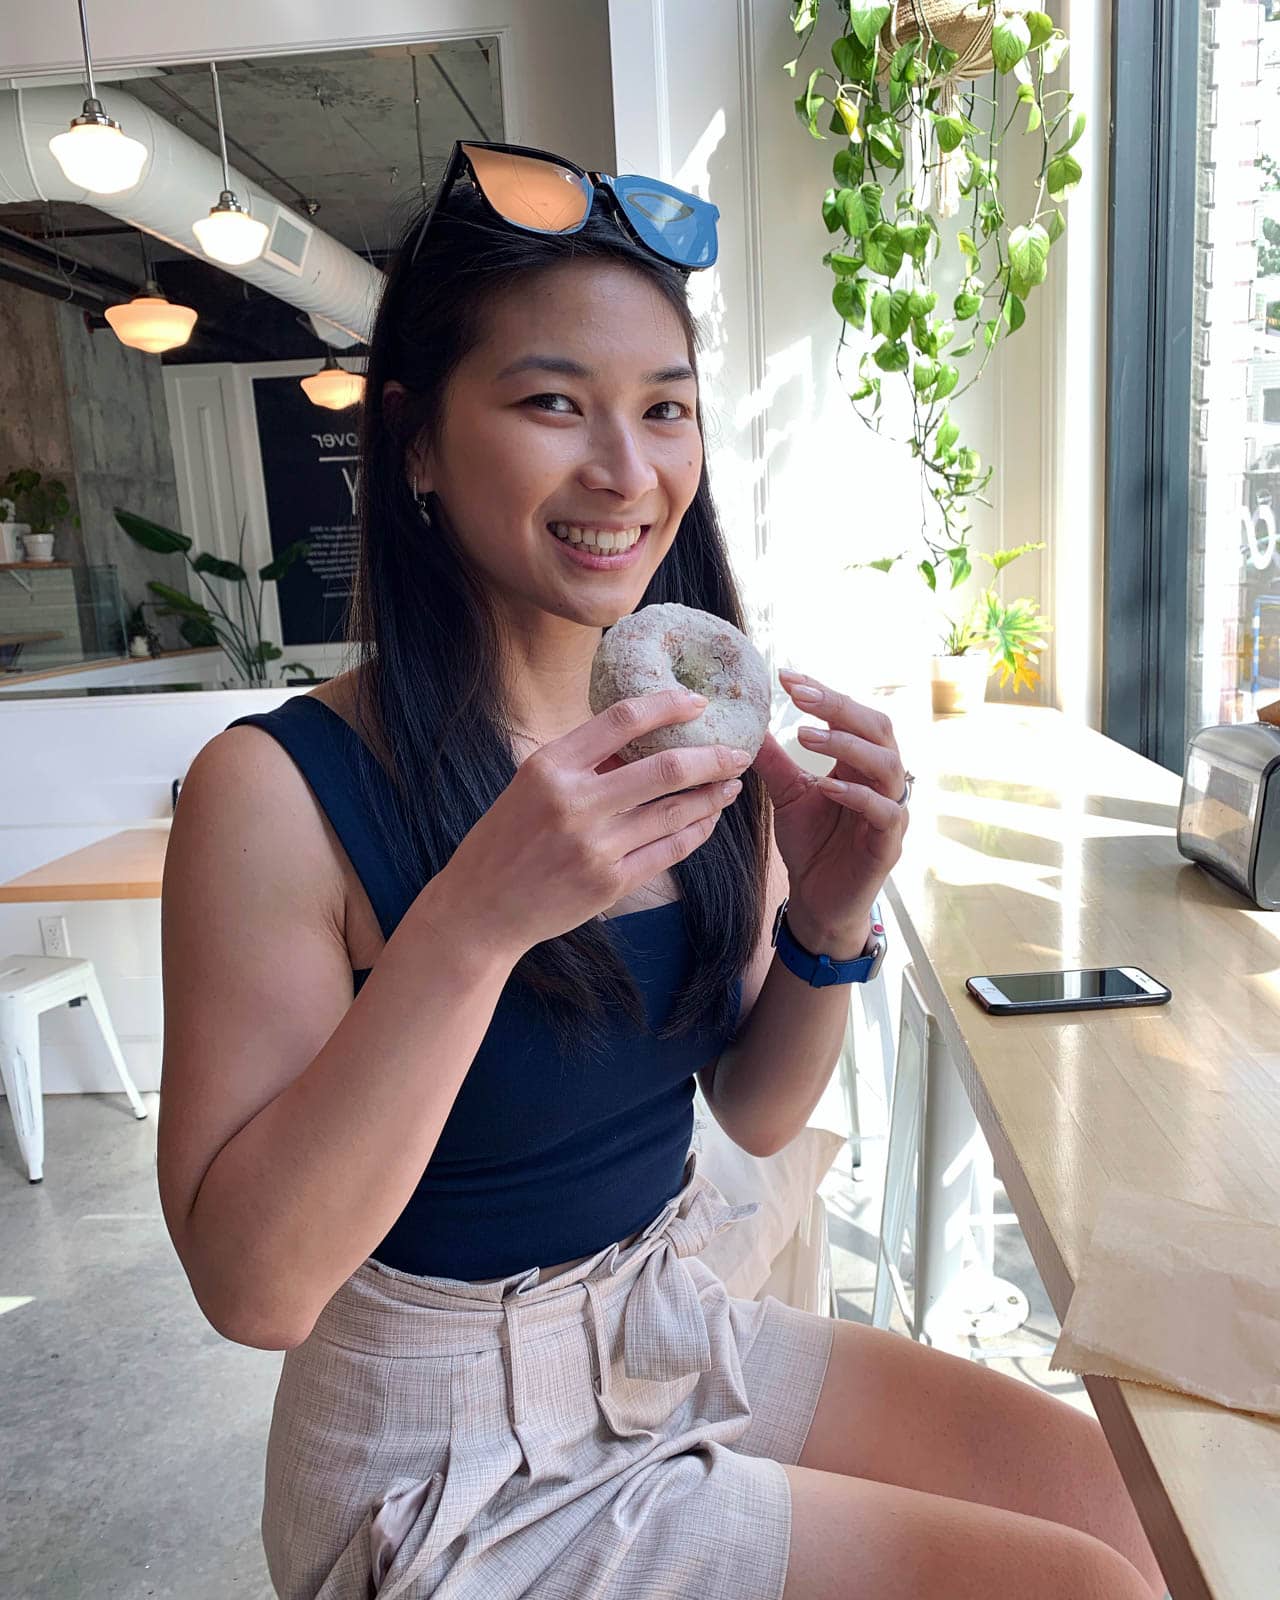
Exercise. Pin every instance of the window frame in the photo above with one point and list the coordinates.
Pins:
(1150, 284)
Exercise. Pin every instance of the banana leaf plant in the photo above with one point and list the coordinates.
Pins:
(202, 625)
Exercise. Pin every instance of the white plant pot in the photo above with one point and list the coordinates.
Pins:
(37, 546)
(138, 646)
(959, 683)
(11, 540)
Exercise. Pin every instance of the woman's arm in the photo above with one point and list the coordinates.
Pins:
(294, 1124)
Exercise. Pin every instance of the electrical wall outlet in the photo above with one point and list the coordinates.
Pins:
(53, 936)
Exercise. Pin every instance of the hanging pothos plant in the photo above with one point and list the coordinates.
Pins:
(913, 98)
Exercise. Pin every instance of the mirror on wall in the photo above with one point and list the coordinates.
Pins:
(213, 402)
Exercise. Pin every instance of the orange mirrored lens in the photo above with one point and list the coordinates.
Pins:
(528, 191)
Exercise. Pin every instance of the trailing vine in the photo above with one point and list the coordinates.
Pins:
(919, 141)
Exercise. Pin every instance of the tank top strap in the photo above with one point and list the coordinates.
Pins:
(330, 754)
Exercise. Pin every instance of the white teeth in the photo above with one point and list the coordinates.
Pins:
(605, 542)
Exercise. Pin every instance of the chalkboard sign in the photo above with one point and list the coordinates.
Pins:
(309, 466)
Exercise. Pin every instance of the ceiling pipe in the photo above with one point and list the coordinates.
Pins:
(180, 180)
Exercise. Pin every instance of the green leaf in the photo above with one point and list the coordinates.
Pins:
(1054, 50)
(844, 266)
(902, 58)
(847, 111)
(853, 60)
(831, 214)
(860, 208)
(844, 166)
(922, 337)
(1040, 27)
(276, 569)
(1000, 559)
(884, 564)
(180, 602)
(151, 535)
(888, 146)
(923, 375)
(966, 305)
(967, 247)
(948, 377)
(921, 303)
(950, 131)
(199, 634)
(809, 104)
(1055, 225)
(1028, 258)
(1077, 128)
(217, 568)
(1063, 176)
(892, 356)
(960, 567)
(265, 651)
(866, 18)
(990, 332)
(850, 299)
(804, 15)
(915, 239)
(891, 313)
(884, 250)
(1010, 41)
(1015, 313)
(963, 349)
(927, 573)
(948, 433)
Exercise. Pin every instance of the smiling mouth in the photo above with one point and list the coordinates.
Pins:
(598, 541)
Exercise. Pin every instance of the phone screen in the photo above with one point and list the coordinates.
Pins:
(1095, 983)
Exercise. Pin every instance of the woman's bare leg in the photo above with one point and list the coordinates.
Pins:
(901, 1413)
(852, 1539)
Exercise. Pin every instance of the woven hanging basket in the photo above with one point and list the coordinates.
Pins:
(957, 24)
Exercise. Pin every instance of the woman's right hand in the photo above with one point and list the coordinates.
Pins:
(565, 840)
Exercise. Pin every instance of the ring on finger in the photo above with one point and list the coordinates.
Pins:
(908, 783)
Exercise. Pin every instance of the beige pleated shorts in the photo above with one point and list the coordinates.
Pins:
(614, 1433)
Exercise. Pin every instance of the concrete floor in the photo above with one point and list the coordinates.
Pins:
(133, 1437)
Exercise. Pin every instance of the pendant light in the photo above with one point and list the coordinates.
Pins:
(94, 152)
(150, 321)
(228, 234)
(333, 386)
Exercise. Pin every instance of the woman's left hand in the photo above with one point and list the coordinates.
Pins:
(839, 836)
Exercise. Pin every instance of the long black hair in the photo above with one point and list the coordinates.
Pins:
(427, 639)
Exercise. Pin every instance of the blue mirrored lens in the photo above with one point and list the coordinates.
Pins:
(676, 225)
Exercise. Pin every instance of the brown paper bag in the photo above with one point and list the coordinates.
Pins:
(1180, 1296)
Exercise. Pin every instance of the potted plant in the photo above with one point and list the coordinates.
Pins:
(203, 625)
(10, 549)
(40, 504)
(142, 639)
(993, 635)
(913, 96)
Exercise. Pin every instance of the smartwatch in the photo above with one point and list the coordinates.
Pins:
(820, 971)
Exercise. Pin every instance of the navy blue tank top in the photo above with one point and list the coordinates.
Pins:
(545, 1156)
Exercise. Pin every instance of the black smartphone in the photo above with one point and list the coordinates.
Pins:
(1084, 990)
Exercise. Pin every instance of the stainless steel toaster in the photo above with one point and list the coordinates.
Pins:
(1229, 818)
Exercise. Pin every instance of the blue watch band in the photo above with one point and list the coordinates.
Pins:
(820, 971)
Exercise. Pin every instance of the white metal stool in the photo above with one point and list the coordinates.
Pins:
(936, 1149)
(29, 986)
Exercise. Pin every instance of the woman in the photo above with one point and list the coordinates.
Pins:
(439, 972)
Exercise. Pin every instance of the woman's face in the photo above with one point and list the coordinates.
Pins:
(570, 427)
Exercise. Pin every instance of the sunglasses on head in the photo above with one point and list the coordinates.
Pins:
(541, 193)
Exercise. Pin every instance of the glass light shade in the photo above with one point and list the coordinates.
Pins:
(96, 155)
(150, 322)
(333, 387)
(229, 234)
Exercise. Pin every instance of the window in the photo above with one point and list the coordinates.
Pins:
(1193, 497)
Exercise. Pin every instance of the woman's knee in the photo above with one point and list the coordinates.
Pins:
(855, 1537)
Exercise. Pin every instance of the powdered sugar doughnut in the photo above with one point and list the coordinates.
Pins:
(674, 647)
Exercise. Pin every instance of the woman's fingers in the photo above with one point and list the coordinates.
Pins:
(883, 815)
(858, 758)
(663, 818)
(652, 852)
(669, 771)
(586, 747)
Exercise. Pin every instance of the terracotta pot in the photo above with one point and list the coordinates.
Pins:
(959, 683)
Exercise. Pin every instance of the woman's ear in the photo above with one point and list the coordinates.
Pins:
(416, 470)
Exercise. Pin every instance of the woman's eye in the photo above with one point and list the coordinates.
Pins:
(676, 412)
(559, 403)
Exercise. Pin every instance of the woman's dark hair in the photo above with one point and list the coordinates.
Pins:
(426, 633)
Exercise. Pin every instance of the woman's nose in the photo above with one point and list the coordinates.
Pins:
(618, 462)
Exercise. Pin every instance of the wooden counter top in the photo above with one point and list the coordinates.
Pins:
(125, 866)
